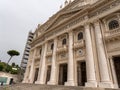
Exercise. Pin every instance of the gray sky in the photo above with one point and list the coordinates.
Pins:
(17, 18)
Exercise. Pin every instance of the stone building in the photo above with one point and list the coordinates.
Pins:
(78, 46)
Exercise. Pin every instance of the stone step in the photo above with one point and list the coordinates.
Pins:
(48, 87)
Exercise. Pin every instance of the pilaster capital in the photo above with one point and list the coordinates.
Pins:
(96, 22)
(55, 39)
(87, 25)
(110, 57)
(70, 32)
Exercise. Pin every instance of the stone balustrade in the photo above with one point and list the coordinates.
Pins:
(113, 34)
(63, 48)
(49, 53)
(79, 44)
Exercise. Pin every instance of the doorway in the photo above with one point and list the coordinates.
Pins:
(11, 81)
(36, 74)
(62, 74)
(117, 68)
(81, 73)
(48, 74)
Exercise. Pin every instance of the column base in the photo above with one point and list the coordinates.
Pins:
(91, 84)
(106, 85)
(70, 83)
(24, 82)
(51, 83)
(37, 82)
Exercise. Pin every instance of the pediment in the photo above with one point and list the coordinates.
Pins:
(76, 4)
(64, 14)
(61, 18)
(68, 12)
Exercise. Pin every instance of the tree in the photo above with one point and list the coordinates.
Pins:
(12, 53)
(13, 64)
(1, 66)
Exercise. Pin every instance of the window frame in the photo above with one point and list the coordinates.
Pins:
(78, 39)
(114, 27)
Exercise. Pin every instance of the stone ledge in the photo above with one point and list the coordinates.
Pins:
(48, 87)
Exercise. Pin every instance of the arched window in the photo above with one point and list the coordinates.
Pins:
(52, 45)
(64, 41)
(113, 24)
(80, 36)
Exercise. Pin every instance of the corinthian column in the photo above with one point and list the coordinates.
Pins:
(31, 78)
(104, 71)
(25, 80)
(90, 65)
(53, 70)
(40, 65)
(43, 68)
(70, 77)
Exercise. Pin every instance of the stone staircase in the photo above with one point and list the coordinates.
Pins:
(48, 87)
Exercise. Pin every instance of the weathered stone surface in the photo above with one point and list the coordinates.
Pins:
(48, 87)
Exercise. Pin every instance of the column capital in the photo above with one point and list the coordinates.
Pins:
(55, 39)
(87, 25)
(70, 33)
(96, 22)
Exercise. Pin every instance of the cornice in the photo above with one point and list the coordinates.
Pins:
(81, 14)
(65, 10)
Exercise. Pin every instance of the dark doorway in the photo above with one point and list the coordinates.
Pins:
(117, 68)
(81, 73)
(11, 81)
(48, 73)
(36, 74)
(62, 74)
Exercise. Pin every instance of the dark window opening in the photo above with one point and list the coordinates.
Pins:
(52, 45)
(64, 42)
(80, 36)
(40, 51)
(113, 24)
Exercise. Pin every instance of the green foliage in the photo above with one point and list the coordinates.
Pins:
(9, 68)
(16, 66)
(13, 64)
(1, 66)
(13, 53)
(14, 71)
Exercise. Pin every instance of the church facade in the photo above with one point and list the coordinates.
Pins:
(78, 46)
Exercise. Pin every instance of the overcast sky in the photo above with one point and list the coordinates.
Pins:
(17, 18)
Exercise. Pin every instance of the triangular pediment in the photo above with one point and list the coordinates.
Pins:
(61, 18)
(68, 12)
(64, 14)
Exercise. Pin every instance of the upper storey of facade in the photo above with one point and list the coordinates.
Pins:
(74, 13)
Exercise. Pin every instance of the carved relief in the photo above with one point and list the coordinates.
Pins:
(62, 56)
(79, 52)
